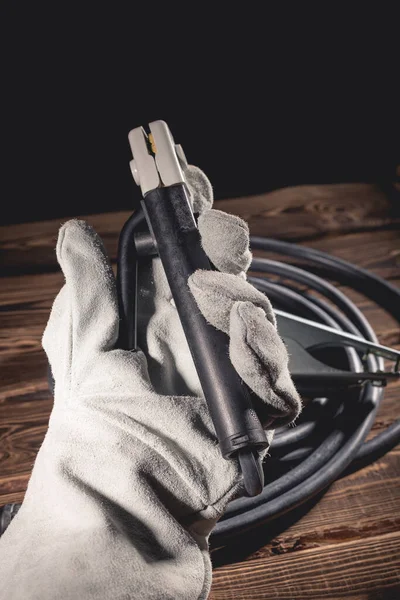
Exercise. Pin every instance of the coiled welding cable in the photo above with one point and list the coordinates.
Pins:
(331, 439)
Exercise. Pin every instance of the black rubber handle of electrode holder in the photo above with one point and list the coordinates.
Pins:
(172, 224)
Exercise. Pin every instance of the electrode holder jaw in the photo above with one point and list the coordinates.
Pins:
(157, 160)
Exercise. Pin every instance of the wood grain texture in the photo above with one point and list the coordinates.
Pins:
(361, 569)
(346, 545)
(294, 213)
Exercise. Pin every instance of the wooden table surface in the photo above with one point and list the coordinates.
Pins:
(347, 545)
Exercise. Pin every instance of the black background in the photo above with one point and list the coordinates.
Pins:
(256, 100)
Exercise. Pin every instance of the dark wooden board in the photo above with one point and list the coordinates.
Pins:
(347, 544)
(293, 214)
(363, 569)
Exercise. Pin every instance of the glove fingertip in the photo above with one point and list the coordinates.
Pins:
(72, 236)
(200, 188)
(260, 357)
(225, 239)
(91, 284)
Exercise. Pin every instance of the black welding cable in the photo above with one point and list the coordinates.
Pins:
(325, 451)
(377, 289)
(292, 301)
(357, 277)
(313, 281)
(247, 516)
(246, 513)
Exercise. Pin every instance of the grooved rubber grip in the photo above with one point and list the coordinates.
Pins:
(171, 222)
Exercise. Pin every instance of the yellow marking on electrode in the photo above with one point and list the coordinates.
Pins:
(152, 143)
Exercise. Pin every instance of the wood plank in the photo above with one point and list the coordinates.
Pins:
(13, 487)
(347, 544)
(294, 213)
(30, 247)
(376, 251)
(362, 569)
(309, 211)
(19, 446)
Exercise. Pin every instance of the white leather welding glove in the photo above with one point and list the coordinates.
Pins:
(130, 480)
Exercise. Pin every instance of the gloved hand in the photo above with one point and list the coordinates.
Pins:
(130, 481)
